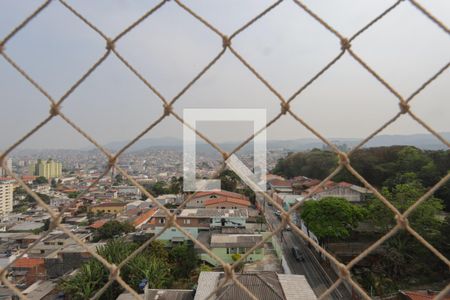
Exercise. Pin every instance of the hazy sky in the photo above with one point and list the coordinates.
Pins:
(169, 48)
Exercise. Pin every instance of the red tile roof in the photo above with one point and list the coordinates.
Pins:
(27, 262)
(344, 184)
(144, 217)
(98, 224)
(220, 193)
(227, 199)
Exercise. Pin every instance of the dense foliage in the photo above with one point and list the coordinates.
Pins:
(156, 265)
(113, 229)
(380, 166)
(331, 218)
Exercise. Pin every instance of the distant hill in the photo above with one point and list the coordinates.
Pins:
(422, 141)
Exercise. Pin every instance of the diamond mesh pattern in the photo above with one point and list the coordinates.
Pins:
(227, 45)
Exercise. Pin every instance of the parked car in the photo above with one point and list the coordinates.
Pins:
(297, 254)
(277, 213)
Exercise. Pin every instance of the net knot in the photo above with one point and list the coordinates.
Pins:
(112, 161)
(54, 110)
(113, 272)
(343, 271)
(167, 109)
(402, 222)
(226, 42)
(110, 45)
(404, 107)
(285, 217)
(2, 46)
(228, 270)
(284, 107)
(345, 44)
(171, 219)
(343, 159)
(225, 155)
(55, 222)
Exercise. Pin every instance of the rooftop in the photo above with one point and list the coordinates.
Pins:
(208, 213)
(227, 199)
(219, 192)
(235, 240)
(27, 262)
(110, 204)
(263, 285)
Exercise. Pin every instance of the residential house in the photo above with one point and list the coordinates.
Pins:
(194, 220)
(68, 258)
(351, 192)
(280, 186)
(199, 199)
(27, 270)
(226, 245)
(263, 285)
(227, 202)
(108, 207)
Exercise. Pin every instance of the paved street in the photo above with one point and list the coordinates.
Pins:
(310, 267)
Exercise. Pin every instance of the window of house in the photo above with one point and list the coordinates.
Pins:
(187, 221)
(232, 250)
(258, 251)
(241, 250)
(162, 221)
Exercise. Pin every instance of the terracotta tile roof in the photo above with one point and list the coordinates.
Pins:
(98, 224)
(144, 217)
(27, 262)
(227, 199)
(220, 193)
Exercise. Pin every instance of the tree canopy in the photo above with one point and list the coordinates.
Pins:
(160, 267)
(380, 166)
(331, 217)
(112, 229)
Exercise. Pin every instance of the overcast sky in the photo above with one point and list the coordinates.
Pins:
(169, 48)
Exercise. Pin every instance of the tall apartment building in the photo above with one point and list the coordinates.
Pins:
(46, 168)
(6, 197)
(8, 165)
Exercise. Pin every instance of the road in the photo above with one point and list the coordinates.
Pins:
(317, 276)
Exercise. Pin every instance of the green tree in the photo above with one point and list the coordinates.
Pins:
(176, 185)
(89, 278)
(113, 229)
(229, 180)
(331, 217)
(93, 275)
(184, 260)
(40, 180)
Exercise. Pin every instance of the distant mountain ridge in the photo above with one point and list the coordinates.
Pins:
(422, 141)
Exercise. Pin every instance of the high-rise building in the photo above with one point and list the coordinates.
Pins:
(46, 168)
(8, 165)
(6, 197)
